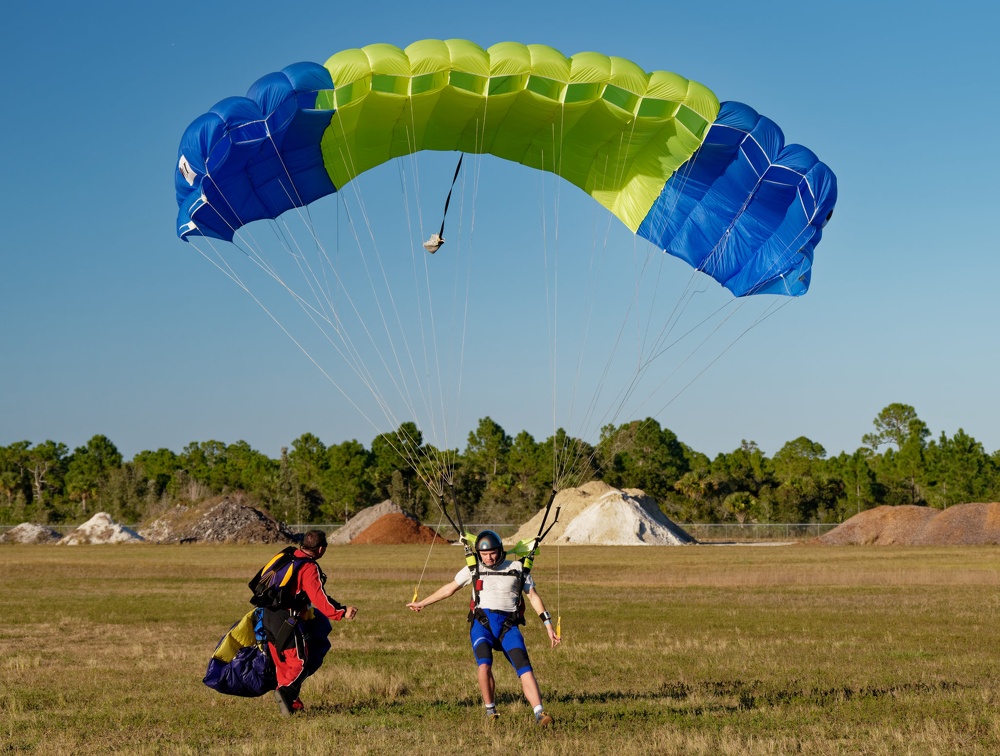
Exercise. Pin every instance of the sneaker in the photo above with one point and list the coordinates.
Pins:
(285, 706)
(298, 706)
(492, 716)
(544, 720)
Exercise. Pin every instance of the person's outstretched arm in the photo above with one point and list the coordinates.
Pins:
(446, 590)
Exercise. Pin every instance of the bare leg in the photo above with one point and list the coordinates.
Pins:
(486, 683)
(530, 688)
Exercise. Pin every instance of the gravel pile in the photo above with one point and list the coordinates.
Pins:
(29, 532)
(228, 520)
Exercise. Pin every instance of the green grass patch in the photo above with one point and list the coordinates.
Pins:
(696, 650)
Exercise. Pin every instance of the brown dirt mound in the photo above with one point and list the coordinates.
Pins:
(225, 520)
(961, 525)
(396, 527)
(364, 519)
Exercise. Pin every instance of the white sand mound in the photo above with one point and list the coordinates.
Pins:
(365, 518)
(101, 529)
(597, 514)
(29, 532)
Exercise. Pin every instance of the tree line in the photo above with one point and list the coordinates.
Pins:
(504, 478)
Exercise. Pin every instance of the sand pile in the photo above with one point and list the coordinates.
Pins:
(396, 527)
(598, 514)
(29, 532)
(961, 525)
(364, 519)
(225, 520)
(100, 529)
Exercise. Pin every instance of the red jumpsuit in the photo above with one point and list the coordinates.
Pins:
(303, 653)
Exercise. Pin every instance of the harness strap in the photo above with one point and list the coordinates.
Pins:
(512, 619)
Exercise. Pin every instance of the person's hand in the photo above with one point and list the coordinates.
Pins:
(415, 606)
(554, 639)
(350, 612)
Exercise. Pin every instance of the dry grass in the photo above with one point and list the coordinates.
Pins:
(695, 650)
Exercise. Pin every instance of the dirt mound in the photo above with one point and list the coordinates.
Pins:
(595, 513)
(225, 520)
(29, 532)
(100, 529)
(364, 519)
(397, 527)
(961, 525)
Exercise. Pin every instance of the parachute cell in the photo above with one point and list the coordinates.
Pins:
(746, 210)
(717, 188)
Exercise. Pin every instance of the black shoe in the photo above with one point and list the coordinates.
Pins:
(286, 704)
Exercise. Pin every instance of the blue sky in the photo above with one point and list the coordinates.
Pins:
(109, 324)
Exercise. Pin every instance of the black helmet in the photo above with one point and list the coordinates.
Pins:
(488, 541)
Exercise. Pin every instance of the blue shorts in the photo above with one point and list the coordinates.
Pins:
(484, 641)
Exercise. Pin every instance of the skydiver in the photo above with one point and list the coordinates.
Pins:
(498, 611)
(298, 626)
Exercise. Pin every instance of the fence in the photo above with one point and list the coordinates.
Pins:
(713, 532)
(502, 529)
(732, 532)
(709, 533)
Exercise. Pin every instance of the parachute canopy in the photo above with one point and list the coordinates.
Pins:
(714, 186)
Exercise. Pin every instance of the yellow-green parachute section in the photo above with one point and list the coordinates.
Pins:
(600, 122)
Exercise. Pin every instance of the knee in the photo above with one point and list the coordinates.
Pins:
(519, 660)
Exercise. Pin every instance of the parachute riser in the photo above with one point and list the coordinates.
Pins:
(466, 539)
(529, 560)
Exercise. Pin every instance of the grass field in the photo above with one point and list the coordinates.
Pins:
(695, 650)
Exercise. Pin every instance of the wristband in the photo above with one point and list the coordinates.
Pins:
(546, 617)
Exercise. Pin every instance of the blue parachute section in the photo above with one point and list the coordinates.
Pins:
(745, 209)
(254, 157)
(242, 670)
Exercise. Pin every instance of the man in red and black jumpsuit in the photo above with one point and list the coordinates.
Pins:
(305, 641)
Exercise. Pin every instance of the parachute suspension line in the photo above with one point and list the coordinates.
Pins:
(403, 392)
(430, 398)
(439, 458)
(642, 332)
(558, 594)
(461, 296)
(405, 395)
(423, 386)
(357, 364)
(437, 530)
(575, 473)
(552, 318)
(576, 462)
(314, 313)
(434, 400)
(771, 310)
(233, 277)
(466, 298)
